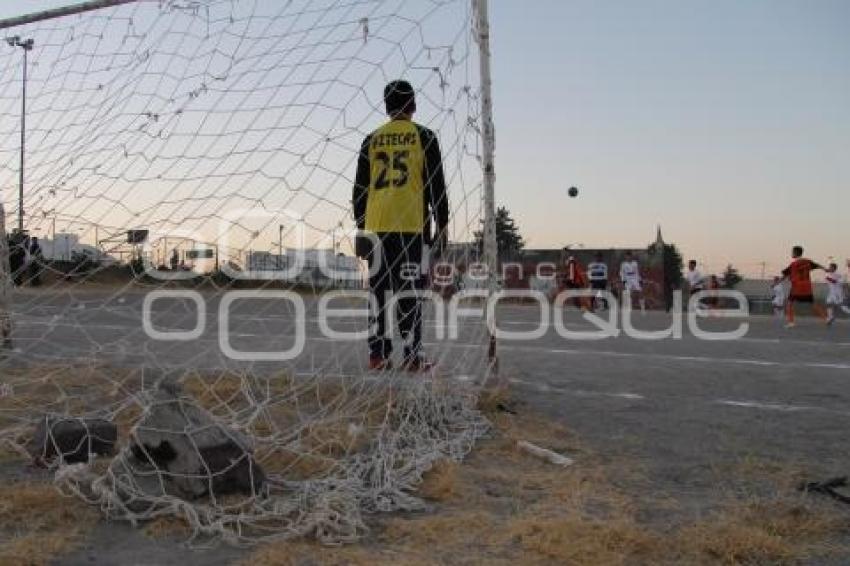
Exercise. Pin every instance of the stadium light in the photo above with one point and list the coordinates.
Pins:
(26, 45)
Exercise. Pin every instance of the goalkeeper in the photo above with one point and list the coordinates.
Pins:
(398, 189)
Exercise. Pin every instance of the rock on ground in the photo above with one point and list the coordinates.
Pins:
(180, 449)
(72, 439)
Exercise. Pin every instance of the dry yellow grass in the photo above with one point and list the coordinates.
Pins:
(37, 523)
(501, 506)
(493, 399)
(440, 482)
(301, 553)
(35, 549)
(167, 527)
(760, 531)
(217, 392)
(583, 540)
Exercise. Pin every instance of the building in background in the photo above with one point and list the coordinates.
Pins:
(64, 245)
(310, 267)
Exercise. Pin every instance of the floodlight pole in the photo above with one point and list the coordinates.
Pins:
(23, 138)
(280, 247)
(488, 147)
(27, 46)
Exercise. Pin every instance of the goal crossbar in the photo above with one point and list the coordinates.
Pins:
(61, 12)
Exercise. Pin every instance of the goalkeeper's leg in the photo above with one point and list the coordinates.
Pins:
(410, 278)
(380, 283)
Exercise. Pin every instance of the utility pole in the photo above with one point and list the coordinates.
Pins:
(280, 247)
(27, 46)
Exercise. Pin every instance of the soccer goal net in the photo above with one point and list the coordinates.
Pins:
(178, 278)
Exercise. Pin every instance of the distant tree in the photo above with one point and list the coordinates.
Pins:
(509, 241)
(672, 266)
(731, 277)
(673, 262)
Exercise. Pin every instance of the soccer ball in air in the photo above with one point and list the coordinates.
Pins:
(573, 192)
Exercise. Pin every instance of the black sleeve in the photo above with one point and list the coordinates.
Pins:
(361, 184)
(435, 180)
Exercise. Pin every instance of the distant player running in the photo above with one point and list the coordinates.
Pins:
(597, 273)
(630, 278)
(574, 278)
(835, 296)
(799, 272)
(696, 282)
(779, 291)
(846, 308)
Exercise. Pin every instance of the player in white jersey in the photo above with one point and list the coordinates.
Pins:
(780, 292)
(835, 291)
(695, 279)
(630, 277)
(597, 274)
(696, 282)
(846, 308)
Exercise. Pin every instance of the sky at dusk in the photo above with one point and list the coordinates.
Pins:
(727, 122)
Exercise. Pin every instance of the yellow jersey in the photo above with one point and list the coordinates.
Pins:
(396, 191)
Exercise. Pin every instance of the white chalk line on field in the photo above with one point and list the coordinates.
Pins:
(547, 388)
(755, 405)
(780, 407)
(678, 358)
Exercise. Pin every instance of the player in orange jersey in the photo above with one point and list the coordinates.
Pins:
(799, 272)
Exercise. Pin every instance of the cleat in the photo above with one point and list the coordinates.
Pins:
(377, 363)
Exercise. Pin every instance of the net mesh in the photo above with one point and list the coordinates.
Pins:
(188, 173)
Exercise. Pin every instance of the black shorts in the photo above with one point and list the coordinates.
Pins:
(802, 298)
(599, 285)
